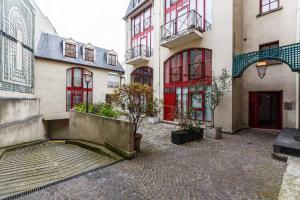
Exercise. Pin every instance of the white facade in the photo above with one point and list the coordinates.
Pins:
(237, 28)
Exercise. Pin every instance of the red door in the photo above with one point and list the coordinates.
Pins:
(265, 110)
(169, 107)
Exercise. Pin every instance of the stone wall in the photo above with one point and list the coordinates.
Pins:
(101, 130)
(20, 122)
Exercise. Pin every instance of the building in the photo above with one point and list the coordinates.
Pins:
(174, 45)
(42, 74)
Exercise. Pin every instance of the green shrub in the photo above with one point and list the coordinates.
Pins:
(101, 109)
(108, 111)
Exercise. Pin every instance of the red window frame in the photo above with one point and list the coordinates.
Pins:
(177, 3)
(77, 91)
(261, 5)
(170, 87)
(146, 30)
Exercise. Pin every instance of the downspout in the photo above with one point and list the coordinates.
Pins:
(297, 74)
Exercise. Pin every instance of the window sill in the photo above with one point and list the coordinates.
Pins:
(269, 12)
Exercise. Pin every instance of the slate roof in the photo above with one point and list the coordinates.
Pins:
(51, 47)
(131, 9)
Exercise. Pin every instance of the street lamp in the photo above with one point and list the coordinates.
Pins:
(87, 77)
(262, 68)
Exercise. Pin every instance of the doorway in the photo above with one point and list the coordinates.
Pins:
(265, 110)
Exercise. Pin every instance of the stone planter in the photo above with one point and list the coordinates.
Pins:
(153, 120)
(213, 133)
(185, 136)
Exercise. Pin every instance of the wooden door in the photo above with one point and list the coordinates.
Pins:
(265, 110)
(169, 107)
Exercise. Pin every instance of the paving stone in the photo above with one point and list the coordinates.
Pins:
(238, 167)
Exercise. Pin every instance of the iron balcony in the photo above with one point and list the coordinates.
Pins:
(183, 29)
(138, 54)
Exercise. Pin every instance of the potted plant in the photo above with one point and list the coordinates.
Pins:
(213, 94)
(132, 98)
(190, 130)
(154, 109)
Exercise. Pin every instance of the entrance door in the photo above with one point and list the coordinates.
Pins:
(265, 110)
(169, 107)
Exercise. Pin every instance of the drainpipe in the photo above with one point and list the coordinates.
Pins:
(297, 75)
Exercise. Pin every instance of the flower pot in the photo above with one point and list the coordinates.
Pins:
(213, 133)
(153, 120)
(137, 142)
(185, 136)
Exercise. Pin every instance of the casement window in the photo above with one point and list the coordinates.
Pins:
(77, 88)
(271, 45)
(89, 54)
(184, 76)
(268, 5)
(112, 59)
(142, 29)
(70, 50)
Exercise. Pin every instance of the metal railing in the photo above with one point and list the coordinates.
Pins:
(189, 20)
(138, 51)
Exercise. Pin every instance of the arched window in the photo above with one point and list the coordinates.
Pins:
(77, 87)
(142, 75)
(185, 73)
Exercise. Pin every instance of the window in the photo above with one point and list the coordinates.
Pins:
(184, 75)
(89, 54)
(112, 59)
(143, 75)
(70, 50)
(77, 88)
(274, 53)
(268, 5)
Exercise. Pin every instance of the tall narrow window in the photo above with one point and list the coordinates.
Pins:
(77, 88)
(268, 5)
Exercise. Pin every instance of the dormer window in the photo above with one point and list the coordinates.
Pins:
(112, 58)
(70, 48)
(89, 53)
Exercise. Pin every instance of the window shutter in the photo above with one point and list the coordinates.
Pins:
(83, 52)
(64, 48)
(76, 50)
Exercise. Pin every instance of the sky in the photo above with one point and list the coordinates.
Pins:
(96, 21)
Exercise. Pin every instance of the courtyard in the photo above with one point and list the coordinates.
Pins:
(238, 167)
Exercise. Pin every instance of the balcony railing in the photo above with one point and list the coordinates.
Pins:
(140, 51)
(189, 20)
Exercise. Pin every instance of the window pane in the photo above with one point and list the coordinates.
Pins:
(196, 101)
(77, 78)
(274, 5)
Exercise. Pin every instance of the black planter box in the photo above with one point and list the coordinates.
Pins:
(185, 136)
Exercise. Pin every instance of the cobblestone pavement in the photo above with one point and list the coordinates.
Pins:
(239, 167)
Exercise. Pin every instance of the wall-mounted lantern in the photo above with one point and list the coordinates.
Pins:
(262, 68)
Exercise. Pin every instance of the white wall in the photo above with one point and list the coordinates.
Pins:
(50, 79)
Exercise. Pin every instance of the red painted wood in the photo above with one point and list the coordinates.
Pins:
(169, 106)
(254, 111)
